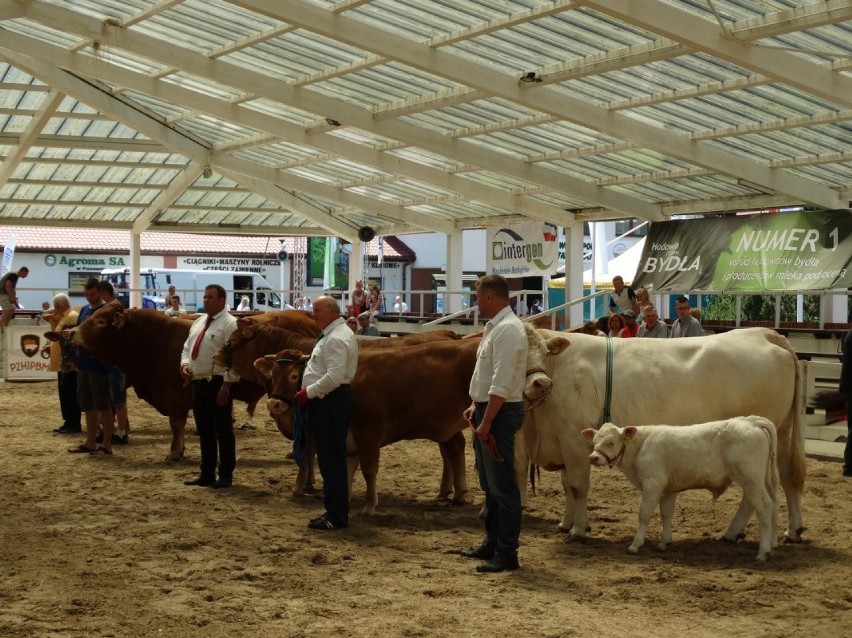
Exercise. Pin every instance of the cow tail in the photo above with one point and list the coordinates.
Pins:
(795, 430)
(771, 479)
(798, 458)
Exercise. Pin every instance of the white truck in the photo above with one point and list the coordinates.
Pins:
(189, 286)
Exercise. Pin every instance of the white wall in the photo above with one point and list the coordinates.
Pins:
(431, 250)
(49, 273)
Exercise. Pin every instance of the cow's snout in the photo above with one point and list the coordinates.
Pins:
(543, 385)
(277, 406)
(597, 459)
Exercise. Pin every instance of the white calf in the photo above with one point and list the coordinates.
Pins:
(662, 460)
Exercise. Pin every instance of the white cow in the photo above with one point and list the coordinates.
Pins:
(662, 460)
(676, 381)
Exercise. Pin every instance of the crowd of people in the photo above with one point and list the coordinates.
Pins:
(632, 314)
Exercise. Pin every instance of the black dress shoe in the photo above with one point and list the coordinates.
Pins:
(481, 553)
(496, 565)
(200, 482)
(319, 518)
(222, 483)
(64, 429)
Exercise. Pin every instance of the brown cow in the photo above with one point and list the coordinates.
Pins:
(147, 346)
(252, 341)
(409, 392)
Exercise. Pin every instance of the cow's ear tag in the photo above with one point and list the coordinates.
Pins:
(627, 438)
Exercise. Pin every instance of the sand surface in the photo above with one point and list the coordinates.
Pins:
(94, 546)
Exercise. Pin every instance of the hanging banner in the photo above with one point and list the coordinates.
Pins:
(783, 252)
(8, 255)
(522, 250)
(25, 360)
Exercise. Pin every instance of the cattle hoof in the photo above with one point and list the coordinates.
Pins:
(797, 538)
(576, 538)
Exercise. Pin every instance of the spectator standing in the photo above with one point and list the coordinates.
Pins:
(536, 307)
(328, 402)
(212, 405)
(685, 325)
(496, 414)
(651, 326)
(622, 297)
(117, 384)
(62, 317)
(9, 294)
(167, 302)
(93, 381)
(245, 304)
(631, 328)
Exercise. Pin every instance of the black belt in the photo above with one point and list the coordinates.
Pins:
(212, 378)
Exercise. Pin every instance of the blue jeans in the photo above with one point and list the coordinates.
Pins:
(497, 480)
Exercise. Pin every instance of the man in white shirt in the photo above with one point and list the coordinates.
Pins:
(211, 390)
(328, 402)
(622, 297)
(399, 305)
(496, 414)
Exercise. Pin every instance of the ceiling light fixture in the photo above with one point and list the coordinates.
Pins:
(207, 172)
(531, 76)
(331, 122)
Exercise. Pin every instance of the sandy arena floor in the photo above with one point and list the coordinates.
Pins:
(94, 546)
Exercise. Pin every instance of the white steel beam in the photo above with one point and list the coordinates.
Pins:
(104, 71)
(322, 105)
(546, 99)
(49, 104)
(168, 197)
(133, 118)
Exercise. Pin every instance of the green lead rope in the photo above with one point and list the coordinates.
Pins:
(608, 402)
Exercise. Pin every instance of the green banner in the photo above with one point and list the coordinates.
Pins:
(328, 263)
(782, 252)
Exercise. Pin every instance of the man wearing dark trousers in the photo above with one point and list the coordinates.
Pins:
(496, 414)
(211, 390)
(846, 390)
(327, 399)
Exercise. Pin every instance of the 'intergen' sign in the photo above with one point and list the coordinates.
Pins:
(522, 250)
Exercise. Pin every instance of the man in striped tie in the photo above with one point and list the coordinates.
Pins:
(211, 390)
